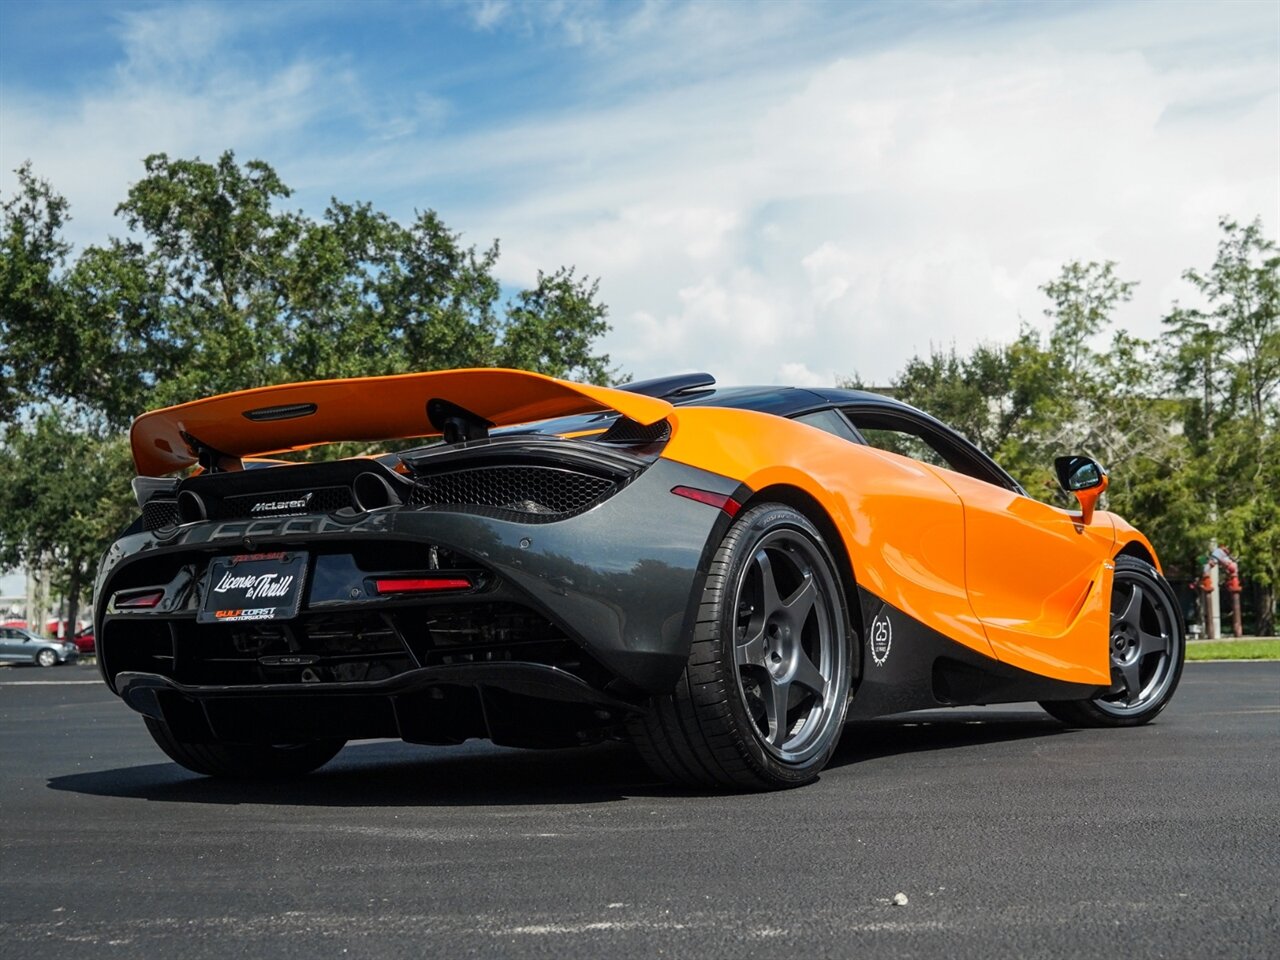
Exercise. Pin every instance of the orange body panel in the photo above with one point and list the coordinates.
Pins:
(1005, 575)
(367, 408)
(1038, 579)
(902, 527)
(1126, 534)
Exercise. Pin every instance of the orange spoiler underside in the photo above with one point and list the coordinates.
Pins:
(366, 408)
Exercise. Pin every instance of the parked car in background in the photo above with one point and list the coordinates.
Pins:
(23, 646)
(84, 641)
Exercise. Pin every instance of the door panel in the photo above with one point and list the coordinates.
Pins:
(1039, 581)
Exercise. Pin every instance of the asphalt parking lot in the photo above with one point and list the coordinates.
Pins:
(1009, 835)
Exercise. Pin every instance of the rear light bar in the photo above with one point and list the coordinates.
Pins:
(721, 500)
(421, 584)
(139, 601)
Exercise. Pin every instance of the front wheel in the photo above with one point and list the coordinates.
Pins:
(46, 658)
(243, 761)
(1147, 647)
(762, 701)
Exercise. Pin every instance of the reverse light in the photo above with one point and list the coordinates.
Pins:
(139, 601)
(720, 500)
(421, 585)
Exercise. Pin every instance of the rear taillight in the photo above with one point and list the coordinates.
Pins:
(721, 500)
(138, 601)
(421, 584)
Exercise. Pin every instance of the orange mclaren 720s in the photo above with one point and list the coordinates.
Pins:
(723, 575)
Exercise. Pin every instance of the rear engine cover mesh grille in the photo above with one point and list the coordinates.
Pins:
(525, 492)
(159, 513)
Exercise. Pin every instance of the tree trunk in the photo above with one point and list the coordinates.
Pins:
(1265, 612)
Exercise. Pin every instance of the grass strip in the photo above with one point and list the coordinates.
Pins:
(1234, 650)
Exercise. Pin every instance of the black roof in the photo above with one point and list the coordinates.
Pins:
(783, 401)
(700, 390)
(695, 390)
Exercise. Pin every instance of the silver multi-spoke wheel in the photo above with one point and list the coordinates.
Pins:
(763, 698)
(788, 649)
(1146, 646)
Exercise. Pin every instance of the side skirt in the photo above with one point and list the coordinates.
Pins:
(906, 665)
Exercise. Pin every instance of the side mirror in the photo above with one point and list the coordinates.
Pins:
(1086, 478)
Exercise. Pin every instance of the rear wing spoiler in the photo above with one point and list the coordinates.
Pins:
(295, 416)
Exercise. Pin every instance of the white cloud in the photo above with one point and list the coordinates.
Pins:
(766, 196)
(487, 14)
(800, 375)
(899, 200)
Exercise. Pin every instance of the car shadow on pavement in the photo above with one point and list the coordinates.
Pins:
(392, 774)
(946, 729)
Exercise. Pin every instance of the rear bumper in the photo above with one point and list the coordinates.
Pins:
(438, 705)
(620, 582)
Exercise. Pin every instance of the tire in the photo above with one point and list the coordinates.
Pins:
(1147, 645)
(46, 658)
(772, 637)
(243, 761)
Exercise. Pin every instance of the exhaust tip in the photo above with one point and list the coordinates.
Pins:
(191, 507)
(371, 491)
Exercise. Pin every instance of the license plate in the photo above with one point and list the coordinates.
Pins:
(254, 586)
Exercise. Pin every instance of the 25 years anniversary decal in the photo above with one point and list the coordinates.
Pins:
(881, 638)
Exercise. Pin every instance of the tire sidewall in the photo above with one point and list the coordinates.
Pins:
(741, 541)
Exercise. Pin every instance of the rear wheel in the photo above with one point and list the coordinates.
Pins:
(1147, 648)
(241, 760)
(762, 701)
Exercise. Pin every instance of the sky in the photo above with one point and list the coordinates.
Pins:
(772, 192)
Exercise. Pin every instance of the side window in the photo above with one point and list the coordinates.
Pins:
(904, 434)
(830, 421)
(906, 444)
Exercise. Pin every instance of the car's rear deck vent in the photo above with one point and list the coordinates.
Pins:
(527, 493)
(626, 430)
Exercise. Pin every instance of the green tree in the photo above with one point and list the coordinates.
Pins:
(32, 294)
(215, 286)
(61, 501)
(1223, 362)
(1037, 398)
(1083, 297)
